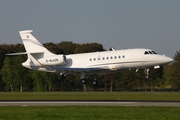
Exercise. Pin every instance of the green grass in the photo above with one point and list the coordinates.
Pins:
(89, 113)
(166, 96)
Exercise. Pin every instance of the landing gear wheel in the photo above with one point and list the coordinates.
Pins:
(95, 83)
(83, 81)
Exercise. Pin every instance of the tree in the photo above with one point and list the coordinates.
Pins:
(155, 77)
(127, 80)
(7, 74)
(66, 47)
(13, 73)
(167, 77)
(175, 72)
(110, 81)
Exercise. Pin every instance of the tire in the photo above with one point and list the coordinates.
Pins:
(95, 82)
(83, 81)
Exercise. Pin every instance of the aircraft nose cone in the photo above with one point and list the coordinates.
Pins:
(169, 60)
(162, 59)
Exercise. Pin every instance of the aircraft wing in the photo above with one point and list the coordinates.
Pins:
(81, 69)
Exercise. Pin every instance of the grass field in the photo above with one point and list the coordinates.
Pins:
(89, 113)
(165, 96)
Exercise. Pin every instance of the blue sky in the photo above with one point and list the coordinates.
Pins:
(153, 24)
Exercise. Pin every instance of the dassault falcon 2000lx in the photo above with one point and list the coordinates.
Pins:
(95, 63)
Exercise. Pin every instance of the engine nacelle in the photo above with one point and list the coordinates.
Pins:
(53, 60)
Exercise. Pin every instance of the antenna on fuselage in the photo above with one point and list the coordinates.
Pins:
(111, 49)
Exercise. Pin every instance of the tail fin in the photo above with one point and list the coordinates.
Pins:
(34, 49)
(32, 45)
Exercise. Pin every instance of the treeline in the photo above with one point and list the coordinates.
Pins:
(14, 77)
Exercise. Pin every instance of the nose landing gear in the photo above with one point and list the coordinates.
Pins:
(146, 71)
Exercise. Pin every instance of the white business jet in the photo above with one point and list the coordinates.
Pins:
(41, 59)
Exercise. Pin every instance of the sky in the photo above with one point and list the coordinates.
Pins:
(122, 24)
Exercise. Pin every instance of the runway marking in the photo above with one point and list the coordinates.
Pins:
(85, 103)
(62, 103)
(43, 102)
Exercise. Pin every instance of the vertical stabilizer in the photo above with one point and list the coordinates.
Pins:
(34, 49)
(33, 46)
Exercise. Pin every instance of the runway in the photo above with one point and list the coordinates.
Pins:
(90, 103)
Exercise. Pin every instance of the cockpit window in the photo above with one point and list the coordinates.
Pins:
(146, 52)
(154, 52)
(149, 52)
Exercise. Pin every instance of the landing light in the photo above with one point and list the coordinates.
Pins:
(156, 67)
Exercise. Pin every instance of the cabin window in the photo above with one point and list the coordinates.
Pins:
(107, 58)
(90, 59)
(146, 52)
(115, 57)
(99, 58)
(123, 56)
(103, 58)
(94, 59)
(111, 57)
(119, 57)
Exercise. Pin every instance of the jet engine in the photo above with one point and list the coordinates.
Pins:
(53, 60)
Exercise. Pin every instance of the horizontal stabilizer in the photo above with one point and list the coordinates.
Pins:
(21, 53)
(24, 53)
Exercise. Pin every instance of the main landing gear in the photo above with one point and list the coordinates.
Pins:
(84, 81)
(95, 82)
